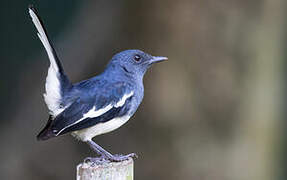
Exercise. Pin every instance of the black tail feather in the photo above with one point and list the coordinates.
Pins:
(47, 132)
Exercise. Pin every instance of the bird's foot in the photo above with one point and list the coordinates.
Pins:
(119, 157)
(96, 160)
(105, 156)
(113, 158)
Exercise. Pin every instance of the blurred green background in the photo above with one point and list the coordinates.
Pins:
(216, 110)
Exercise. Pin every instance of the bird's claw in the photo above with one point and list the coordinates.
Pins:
(119, 157)
(114, 158)
(96, 160)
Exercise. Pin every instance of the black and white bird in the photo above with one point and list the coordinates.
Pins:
(97, 105)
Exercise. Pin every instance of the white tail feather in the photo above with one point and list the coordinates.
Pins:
(44, 39)
(53, 93)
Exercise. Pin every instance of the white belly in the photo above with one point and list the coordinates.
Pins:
(101, 128)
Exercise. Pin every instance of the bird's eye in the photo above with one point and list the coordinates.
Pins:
(137, 58)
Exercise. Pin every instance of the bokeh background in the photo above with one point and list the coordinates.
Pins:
(216, 110)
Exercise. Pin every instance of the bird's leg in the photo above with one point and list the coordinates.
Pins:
(95, 147)
(108, 156)
(99, 150)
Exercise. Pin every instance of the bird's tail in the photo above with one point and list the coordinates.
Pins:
(46, 132)
(57, 83)
(43, 36)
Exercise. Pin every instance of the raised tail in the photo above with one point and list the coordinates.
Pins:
(43, 36)
(57, 83)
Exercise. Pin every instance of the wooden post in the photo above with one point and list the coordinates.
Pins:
(106, 171)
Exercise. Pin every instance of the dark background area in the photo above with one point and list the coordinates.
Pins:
(216, 110)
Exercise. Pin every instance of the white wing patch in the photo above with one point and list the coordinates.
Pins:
(96, 113)
(123, 99)
(53, 95)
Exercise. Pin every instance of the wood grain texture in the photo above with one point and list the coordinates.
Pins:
(106, 171)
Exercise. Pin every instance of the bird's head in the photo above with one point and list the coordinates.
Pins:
(135, 61)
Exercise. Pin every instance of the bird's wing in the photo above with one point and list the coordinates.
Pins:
(106, 104)
(56, 81)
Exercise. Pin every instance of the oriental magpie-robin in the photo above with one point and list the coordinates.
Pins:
(97, 105)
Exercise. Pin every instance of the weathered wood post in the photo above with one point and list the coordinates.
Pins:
(106, 171)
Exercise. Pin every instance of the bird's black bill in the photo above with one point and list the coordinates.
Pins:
(157, 59)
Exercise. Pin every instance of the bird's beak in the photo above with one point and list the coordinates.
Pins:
(156, 59)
